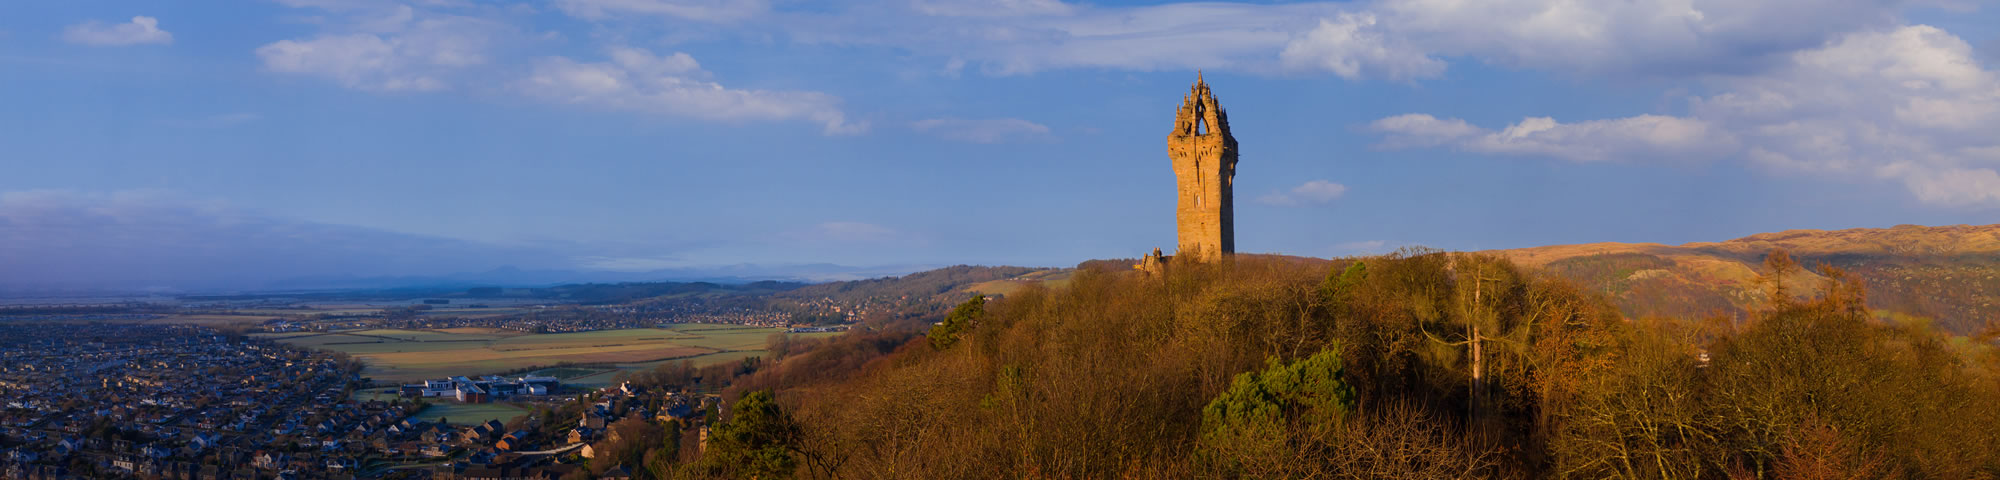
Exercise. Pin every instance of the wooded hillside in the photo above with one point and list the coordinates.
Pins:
(1416, 365)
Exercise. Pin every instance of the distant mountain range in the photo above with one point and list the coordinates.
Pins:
(1949, 275)
(498, 277)
(515, 277)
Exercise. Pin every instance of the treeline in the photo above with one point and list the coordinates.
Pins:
(1959, 292)
(1422, 364)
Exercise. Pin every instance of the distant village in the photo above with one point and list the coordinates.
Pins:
(186, 402)
(130, 390)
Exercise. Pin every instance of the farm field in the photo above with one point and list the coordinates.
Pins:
(343, 310)
(411, 355)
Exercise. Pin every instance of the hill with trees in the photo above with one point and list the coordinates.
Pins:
(1421, 364)
(909, 298)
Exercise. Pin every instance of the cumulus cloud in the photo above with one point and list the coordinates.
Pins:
(387, 46)
(700, 10)
(141, 30)
(1909, 104)
(638, 80)
(1954, 186)
(985, 130)
(1312, 192)
(1350, 46)
(1669, 37)
(59, 239)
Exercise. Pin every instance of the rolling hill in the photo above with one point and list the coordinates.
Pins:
(1947, 274)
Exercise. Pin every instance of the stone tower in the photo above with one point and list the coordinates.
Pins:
(1204, 155)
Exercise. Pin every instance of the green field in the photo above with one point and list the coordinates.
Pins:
(412, 355)
(459, 414)
(599, 377)
(383, 394)
(467, 414)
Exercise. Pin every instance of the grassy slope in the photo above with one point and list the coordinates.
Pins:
(1009, 286)
(468, 414)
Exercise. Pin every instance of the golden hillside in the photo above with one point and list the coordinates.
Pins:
(1944, 273)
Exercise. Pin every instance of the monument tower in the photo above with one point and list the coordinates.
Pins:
(1204, 155)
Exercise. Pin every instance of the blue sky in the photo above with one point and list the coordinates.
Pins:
(229, 144)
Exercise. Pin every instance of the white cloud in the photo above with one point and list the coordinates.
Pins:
(699, 10)
(1390, 39)
(1037, 36)
(1312, 192)
(362, 61)
(985, 130)
(141, 30)
(1644, 136)
(638, 80)
(1663, 37)
(1955, 186)
(1421, 130)
(1909, 104)
(1350, 46)
(386, 47)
